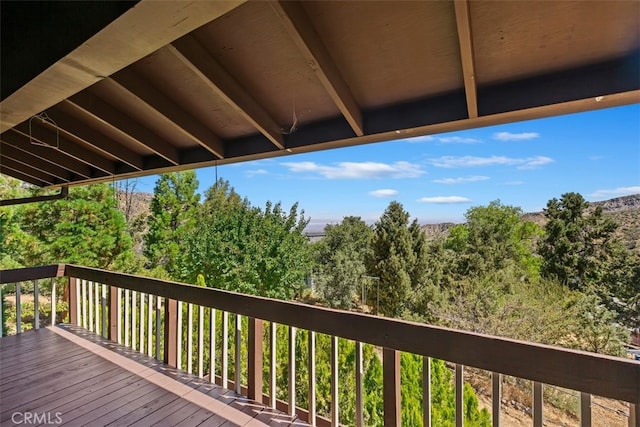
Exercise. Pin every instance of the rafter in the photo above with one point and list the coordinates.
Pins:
(125, 125)
(299, 26)
(22, 177)
(189, 51)
(463, 23)
(70, 148)
(28, 171)
(51, 155)
(192, 129)
(94, 138)
(25, 158)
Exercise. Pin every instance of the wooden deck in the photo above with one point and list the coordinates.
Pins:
(75, 378)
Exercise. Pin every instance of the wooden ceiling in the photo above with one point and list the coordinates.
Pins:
(176, 85)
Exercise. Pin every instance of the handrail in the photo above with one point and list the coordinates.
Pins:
(32, 273)
(592, 373)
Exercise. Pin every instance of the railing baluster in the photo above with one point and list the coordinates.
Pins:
(538, 416)
(84, 304)
(105, 330)
(171, 338)
(90, 304)
(119, 315)
(391, 386)
(142, 322)
(53, 302)
(335, 412)
(126, 317)
(292, 370)
(254, 365)
(634, 415)
(200, 341)
(272, 364)
(585, 410)
(212, 346)
(190, 338)
(312, 378)
(77, 285)
(158, 326)
(225, 349)
(426, 391)
(36, 305)
(150, 327)
(237, 353)
(96, 305)
(459, 381)
(496, 397)
(134, 319)
(18, 310)
(179, 337)
(359, 397)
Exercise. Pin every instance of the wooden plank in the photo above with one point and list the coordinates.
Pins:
(150, 326)
(335, 373)
(634, 415)
(200, 341)
(302, 31)
(463, 24)
(224, 372)
(237, 368)
(359, 395)
(24, 157)
(22, 177)
(538, 403)
(255, 357)
(190, 338)
(603, 375)
(142, 322)
(391, 387)
(426, 391)
(170, 332)
(496, 397)
(9, 165)
(91, 137)
(585, 410)
(311, 419)
(140, 31)
(90, 300)
(291, 365)
(195, 131)
(272, 364)
(195, 57)
(36, 305)
(459, 386)
(179, 335)
(125, 125)
(212, 345)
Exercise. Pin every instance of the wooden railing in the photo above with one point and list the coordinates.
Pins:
(146, 315)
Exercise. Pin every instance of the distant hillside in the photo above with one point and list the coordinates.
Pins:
(625, 211)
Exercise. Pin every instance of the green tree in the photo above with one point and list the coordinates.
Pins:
(577, 245)
(246, 249)
(340, 258)
(173, 213)
(392, 259)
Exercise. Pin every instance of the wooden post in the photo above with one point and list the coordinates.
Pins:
(459, 383)
(36, 305)
(312, 378)
(113, 309)
(496, 397)
(634, 414)
(426, 391)
(335, 405)
(585, 410)
(538, 416)
(255, 359)
(359, 394)
(66, 298)
(170, 332)
(391, 387)
(292, 371)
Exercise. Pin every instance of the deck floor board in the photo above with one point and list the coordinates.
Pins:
(89, 380)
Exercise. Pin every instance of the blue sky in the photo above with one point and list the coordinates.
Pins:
(437, 178)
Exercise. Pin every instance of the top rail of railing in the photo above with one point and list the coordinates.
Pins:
(597, 374)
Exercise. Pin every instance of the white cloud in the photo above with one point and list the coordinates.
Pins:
(615, 192)
(358, 170)
(461, 180)
(473, 161)
(458, 140)
(419, 139)
(384, 192)
(444, 200)
(254, 172)
(508, 136)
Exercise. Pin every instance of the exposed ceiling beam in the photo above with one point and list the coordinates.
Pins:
(463, 23)
(92, 137)
(299, 26)
(189, 51)
(124, 125)
(28, 171)
(50, 154)
(8, 151)
(69, 148)
(21, 176)
(128, 81)
(138, 32)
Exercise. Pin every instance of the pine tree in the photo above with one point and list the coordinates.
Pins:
(173, 213)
